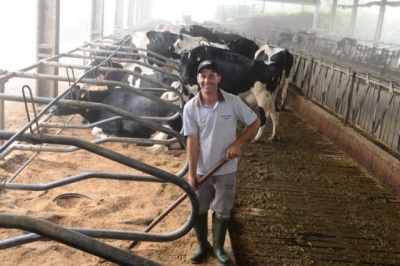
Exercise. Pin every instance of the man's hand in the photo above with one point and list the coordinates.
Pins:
(194, 182)
(233, 151)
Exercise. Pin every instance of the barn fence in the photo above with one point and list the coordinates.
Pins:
(345, 79)
(361, 100)
(378, 57)
(31, 138)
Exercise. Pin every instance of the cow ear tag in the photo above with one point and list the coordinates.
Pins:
(198, 59)
(82, 95)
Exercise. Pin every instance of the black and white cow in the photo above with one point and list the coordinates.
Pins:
(254, 81)
(200, 31)
(227, 37)
(167, 80)
(125, 100)
(112, 75)
(155, 42)
(170, 44)
(185, 42)
(346, 48)
(283, 58)
(243, 46)
(153, 75)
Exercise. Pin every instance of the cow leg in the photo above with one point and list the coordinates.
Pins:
(159, 147)
(265, 100)
(96, 131)
(285, 85)
(263, 123)
(273, 112)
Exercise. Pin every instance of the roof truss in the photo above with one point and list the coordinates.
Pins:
(300, 2)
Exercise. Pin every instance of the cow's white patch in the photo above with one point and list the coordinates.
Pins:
(159, 147)
(265, 100)
(188, 42)
(249, 98)
(140, 40)
(98, 132)
(218, 45)
(194, 89)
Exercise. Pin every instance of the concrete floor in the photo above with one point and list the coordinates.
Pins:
(303, 201)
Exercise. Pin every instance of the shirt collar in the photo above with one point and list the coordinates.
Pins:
(221, 97)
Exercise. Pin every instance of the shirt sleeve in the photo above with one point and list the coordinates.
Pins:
(243, 112)
(189, 119)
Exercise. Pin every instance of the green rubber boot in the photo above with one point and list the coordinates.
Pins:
(219, 228)
(201, 231)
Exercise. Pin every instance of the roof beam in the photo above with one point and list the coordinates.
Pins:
(302, 2)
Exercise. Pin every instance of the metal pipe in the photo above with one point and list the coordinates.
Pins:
(178, 201)
(72, 239)
(112, 109)
(100, 82)
(125, 160)
(80, 177)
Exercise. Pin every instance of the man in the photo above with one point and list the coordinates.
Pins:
(210, 120)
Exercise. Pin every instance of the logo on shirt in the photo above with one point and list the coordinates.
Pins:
(226, 117)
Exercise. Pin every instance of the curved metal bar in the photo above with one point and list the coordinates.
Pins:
(181, 198)
(81, 177)
(115, 110)
(33, 106)
(72, 239)
(29, 124)
(20, 240)
(73, 75)
(98, 82)
(125, 160)
(138, 119)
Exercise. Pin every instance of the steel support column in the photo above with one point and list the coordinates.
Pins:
(47, 44)
(97, 21)
(131, 13)
(353, 18)
(143, 10)
(333, 15)
(119, 14)
(316, 16)
(381, 17)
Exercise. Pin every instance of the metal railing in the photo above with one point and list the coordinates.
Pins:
(37, 141)
(366, 101)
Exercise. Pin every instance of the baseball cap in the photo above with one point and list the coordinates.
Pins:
(208, 64)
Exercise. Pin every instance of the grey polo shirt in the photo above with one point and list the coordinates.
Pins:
(216, 128)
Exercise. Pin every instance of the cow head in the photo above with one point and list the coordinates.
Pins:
(189, 63)
(162, 43)
(114, 75)
(178, 47)
(74, 93)
(187, 68)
